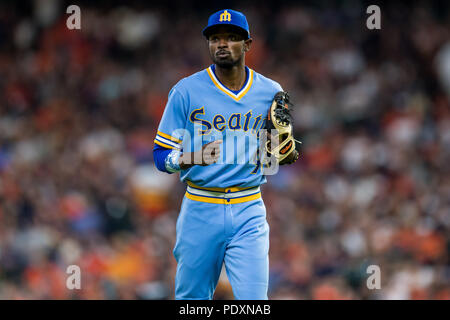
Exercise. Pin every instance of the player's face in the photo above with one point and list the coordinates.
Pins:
(227, 48)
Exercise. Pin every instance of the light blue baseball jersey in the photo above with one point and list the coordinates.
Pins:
(201, 109)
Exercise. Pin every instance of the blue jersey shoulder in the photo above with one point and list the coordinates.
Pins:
(198, 79)
(187, 83)
(268, 83)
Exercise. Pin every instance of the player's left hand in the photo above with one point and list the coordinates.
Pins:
(280, 130)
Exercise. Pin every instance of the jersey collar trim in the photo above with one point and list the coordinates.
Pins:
(227, 91)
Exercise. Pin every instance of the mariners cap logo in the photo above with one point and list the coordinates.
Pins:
(228, 17)
(225, 16)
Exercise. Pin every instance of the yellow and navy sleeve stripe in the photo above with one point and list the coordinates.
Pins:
(167, 141)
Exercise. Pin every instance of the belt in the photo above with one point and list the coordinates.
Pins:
(231, 195)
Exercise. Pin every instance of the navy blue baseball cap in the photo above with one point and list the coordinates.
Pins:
(227, 17)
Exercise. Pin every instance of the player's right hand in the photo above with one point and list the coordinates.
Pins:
(209, 154)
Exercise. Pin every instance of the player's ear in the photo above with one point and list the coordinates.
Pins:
(247, 44)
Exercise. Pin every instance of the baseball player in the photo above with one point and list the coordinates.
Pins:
(223, 217)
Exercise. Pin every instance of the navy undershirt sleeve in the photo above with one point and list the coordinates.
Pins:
(159, 157)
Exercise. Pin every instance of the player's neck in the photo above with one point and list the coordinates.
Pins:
(233, 78)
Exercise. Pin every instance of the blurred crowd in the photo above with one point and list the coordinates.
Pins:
(79, 111)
